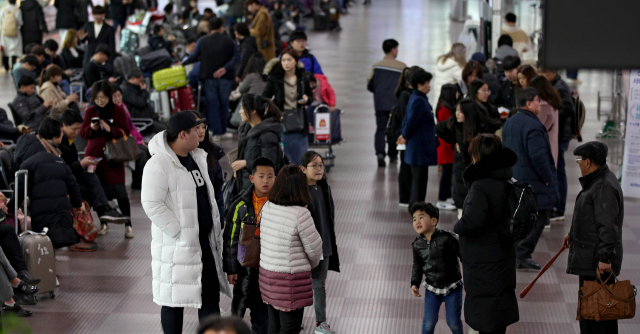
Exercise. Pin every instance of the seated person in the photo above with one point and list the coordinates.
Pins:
(90, 185)
(50, 89)
(51, 57)
(38, 51)
(157, 41)
(26, 67)
(71, 54)
(98, 69)
(53, 190)
(8, 130)
(136, 96)
(12, 287)
(32, 108)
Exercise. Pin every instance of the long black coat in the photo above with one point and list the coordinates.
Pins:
(275, 90)
(107, 36)
(50, 181)
(66, 16)
(486, 249)
(334, 260)
(596, 228)
(453, 135)
(34, 25)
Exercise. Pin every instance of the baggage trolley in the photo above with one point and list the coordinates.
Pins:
(323, 135)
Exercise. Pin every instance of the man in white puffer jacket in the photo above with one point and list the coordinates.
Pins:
(186, 245)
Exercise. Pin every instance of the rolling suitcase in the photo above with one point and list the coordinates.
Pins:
(182, 99)
(37, 248)
(170, 78)
(129, 41)
(160, 103)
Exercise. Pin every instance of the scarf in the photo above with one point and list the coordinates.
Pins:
(49, 146)
(105, 112)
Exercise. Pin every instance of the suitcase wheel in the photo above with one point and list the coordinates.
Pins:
(52, 294)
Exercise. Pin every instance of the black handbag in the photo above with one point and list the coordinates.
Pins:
(293, 120)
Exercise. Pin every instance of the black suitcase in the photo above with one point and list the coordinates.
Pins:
(155, 61)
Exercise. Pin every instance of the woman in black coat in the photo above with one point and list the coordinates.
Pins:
(467, 122)
(479, 91)
(487, 250)
(34, 25)
(215, 153)
(290, 76)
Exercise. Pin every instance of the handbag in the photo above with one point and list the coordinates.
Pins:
(600, 301)
(83, 223)
(122, 149)
(293, 120)
(249, 242)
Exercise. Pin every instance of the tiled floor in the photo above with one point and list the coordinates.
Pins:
(110, 291)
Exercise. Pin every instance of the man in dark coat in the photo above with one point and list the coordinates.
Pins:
(507, 94)
(98, 32)
(248, 46)
(136, 96)
(118, 13)
(595, 237)
(31, 107)
(527, 137)
(34, 25)
(98, 69)
(65, 16)
(487, 251)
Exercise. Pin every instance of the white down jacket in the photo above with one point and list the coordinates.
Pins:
(169, 199)
(448, 72)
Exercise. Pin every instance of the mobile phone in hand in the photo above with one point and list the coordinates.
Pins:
(95, 120)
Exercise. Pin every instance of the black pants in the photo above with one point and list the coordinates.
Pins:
(598, 327)
(382, 118)
(404, 180)
(172, 317)
(527, 245)
(420, 178)
(11, 247)
(446, 180)
(119, 192)
(136, 175)
(285, 322)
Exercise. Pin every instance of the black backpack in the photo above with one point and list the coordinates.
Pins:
(523, 209)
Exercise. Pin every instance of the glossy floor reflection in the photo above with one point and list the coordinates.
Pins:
(110, 291)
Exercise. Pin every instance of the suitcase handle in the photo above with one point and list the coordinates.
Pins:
(26, 199)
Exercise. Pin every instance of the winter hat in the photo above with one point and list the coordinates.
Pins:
(594, 150)
(479, 57)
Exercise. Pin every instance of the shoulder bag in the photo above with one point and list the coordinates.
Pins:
(600, 301)
(122, 150)
(249, 242)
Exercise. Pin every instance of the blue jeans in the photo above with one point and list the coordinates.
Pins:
(216, 92)
(560, 206)
(453, 306)
(295, 145)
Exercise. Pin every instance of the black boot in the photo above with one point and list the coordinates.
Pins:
(17, 310)
(24, 276)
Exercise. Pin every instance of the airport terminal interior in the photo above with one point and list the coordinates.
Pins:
(109, 291)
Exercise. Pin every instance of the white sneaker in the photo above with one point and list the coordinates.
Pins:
(450, 201)
(445, 206)
(403, 205)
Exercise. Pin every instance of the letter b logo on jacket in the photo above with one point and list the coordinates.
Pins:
(198, 178)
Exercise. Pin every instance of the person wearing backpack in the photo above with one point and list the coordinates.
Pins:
(487, 249)
(10, 36)
(525, 134)
(259, 136)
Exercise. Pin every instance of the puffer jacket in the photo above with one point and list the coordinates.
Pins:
(596, 228)
(31, 109)
(262, 140)
(447, 72)
(169, 199)
(49, 91)
(436, 260)
(290, 246)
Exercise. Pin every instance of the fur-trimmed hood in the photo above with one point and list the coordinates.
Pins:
(498, 166)
(272, 63)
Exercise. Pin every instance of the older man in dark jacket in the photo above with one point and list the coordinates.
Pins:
(31, 108)
(595, 237)
(524, 134)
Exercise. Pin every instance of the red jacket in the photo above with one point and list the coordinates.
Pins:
(445, 150)
(109, 172)
(326, 91)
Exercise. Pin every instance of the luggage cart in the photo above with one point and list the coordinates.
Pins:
(321, 136)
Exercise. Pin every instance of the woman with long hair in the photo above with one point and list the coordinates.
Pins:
(287, 232)
(49, 89)
(550, 103)
(71, 55)
(471, 71)
(525, 74)
(290, 88)
(215, 152)
(323, 214)
(258, 136)
(104, 121)
(467, 122)
(253, 81)
(446, 105)
(479, 91)
(487, 251)
(394, 130)
(449, 66)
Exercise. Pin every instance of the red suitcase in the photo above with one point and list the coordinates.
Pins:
(182, 99)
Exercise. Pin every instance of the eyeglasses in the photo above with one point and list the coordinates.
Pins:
(314, 166)
(202, 127)
(485, 91)
(578, 160)
(102, 98)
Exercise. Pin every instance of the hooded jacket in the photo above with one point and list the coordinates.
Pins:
(30, 108)
(447, 72)
(169, 199)
(262, 140)
(290, 246)
(596, 227)
(486, 248)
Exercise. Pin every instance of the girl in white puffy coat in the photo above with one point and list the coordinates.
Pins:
(449, 66)
(290, 246)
